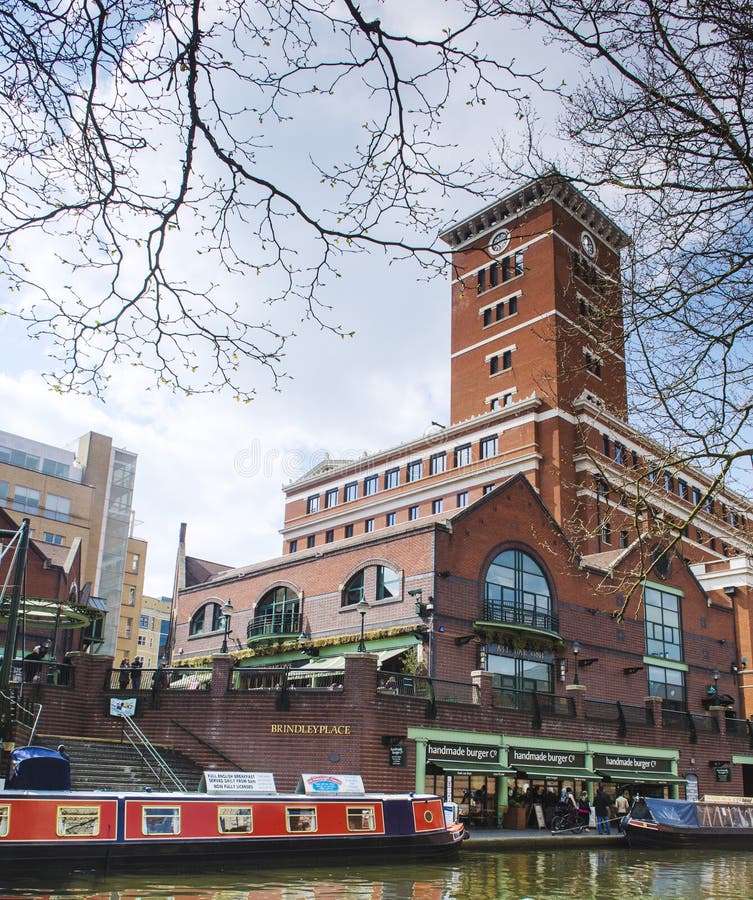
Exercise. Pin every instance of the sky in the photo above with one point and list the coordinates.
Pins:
(219, 465)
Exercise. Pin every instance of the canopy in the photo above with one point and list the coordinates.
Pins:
(38, 611)
(38, 769)
(641, 777)
(669, 812)
(457, 767)
(557, 773)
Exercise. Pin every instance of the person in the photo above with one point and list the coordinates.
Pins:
(125, 673)
(31, 663)
(601, 808)
(622, 807)
(62, 751)
(136, 672)
(584, 809)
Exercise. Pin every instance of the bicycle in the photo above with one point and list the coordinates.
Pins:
(568, 821)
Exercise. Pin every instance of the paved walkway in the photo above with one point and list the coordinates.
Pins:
(509, 838)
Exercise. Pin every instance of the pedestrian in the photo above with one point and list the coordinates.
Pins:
(584, 809)
(601, 808)
(125, 673)
(136, 672)
(31, 663)
(622, 807)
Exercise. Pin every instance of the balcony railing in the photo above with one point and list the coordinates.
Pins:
(506, 614)
(534, 703)
(274, 625)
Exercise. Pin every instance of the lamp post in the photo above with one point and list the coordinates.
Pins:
(362, 608)
(576, 651)
(227, 609)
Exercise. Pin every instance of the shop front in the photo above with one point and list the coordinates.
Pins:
(648, 776)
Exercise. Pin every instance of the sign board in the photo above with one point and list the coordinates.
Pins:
(520, 757)
(122, 708)
(476, 753)
(626, 762)
(330, 784)
(723, 773)
(213, 782)
(398, 755)
(539, 811)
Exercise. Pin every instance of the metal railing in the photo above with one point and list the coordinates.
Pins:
(272, 624)
(261, 679)
(507, 614)
(179, 678)
(150, 756)
(22, 716)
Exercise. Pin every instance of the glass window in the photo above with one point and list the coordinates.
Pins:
(349, 530)
(311, 541)
(361, 818)
(663, 629)
(77, 820)
(368, 526)
(135, 560)
(493, 365)
(276, 613)
(462, 455)
(51, 538)
(143, 621)
(669, 684)
(26, 500)
(4, 820)
(513, 674)
(293, 546)
(436, 506)
(370, 485)
(330, 498)
(387, 583)
(487, 489)
(488, 447)
(4, 491)
(619, 453)
(437, 463)
(53, 467)
(234, 820)
(301, 818)
(414, 470)
(312, 504)
(329, 536)
(463, 498)
(161, 820)
(350, 491)
(390, 519)
(412, 513)
(354, 589)
(391, 478)
(196, 626)
(517, 591)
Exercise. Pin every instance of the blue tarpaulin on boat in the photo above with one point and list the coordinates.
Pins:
(38, 769)
(673, 812)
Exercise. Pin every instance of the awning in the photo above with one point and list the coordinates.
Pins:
(385, 655)
(456, 767)
(555, 773)
(41, 612)
(641, 777)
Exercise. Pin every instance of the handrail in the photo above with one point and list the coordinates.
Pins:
(152, 751)
(204, 743)
(14, 702)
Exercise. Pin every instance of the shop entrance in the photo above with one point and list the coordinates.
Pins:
(476, 795)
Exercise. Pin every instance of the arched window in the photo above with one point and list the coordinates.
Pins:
(206, 618)
(278, 612)
(516, 591)
(372, 583)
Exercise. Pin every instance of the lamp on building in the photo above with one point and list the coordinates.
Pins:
(576, 651)
(227, 610)
(362, 607)
(305, 646)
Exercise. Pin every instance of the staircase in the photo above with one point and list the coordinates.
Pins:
(109, 765)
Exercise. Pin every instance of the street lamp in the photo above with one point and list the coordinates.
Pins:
(576, 651)
(227, 609)
(362, 608)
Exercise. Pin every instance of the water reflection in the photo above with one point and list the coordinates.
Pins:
(608, 874)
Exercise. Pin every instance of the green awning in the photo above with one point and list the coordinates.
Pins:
(456, 767)
(641, 777)
(556, 773)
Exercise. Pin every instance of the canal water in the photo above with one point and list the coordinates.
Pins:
(578, 874)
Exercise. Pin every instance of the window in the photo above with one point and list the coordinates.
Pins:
(620, 456)
(370, 485)
(462, 456)
(512, 675)
(58, 508)
(462, 499)
(350, 491)
(330, 498)
(127, 628)
(141, 640)
(51, 538)
(487, 489)
(53, 467)
(593, 363)
(669, 684)
(293, 546)
(436, 506)
(349, 530)
(4, 491)
(387, 583)
(310, 541)
(329, 536)
(143, 621)
(412, 513)
(161, 820)
(507, 359)
(131, 598)
(602, 488)
(76, 821)
(709, 505)
(512, 306)
(354, 589)
(494, 365)
(135, 561)
(368, 526)
(26, 500)
(488, 447)
(19, 458)
(487, 317)
(301, 818)
(623, 539)
(668, 482)
(276, 613)
(234, 820)
(663, 632)
(682, 489)
(391, 478)
(517, 591)
(390, 519)
(437, 463)
(606, 533)
(695, 496)
(361, 818)
(414, 470)
(312, 504)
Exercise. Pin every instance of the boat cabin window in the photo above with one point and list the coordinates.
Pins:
(361, 818)
(161, 820)
(234, 820)
(301, 818)
(4, 820)
(77, 821)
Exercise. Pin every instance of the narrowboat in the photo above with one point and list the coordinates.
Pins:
(713, 821)
(232, 815)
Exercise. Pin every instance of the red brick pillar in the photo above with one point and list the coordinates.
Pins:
(222, 665)
(718, 712)
(654, 707)
(483, 681)
(577, 693)
(361, 677)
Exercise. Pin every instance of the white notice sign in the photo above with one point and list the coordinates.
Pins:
(213, 782)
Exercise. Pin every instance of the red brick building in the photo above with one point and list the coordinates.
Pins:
(539, 541)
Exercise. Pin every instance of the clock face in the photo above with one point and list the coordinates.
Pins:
(499, 242)
(588, 244)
